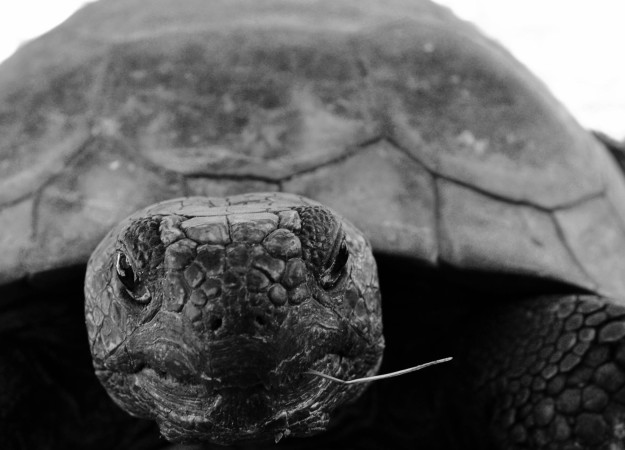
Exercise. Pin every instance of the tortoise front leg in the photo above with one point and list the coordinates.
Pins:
(552, 373)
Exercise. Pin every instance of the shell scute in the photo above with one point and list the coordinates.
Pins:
(389, 114)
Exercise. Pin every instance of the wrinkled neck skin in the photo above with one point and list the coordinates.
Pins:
(204, 313)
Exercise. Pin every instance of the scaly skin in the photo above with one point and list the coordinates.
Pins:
(204, 313)
(552, 372)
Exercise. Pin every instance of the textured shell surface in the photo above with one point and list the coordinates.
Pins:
(431, 138)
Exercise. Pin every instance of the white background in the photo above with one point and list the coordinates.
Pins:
(575, 46)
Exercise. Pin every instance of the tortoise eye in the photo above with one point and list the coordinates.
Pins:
(333, 274)
(124, 272)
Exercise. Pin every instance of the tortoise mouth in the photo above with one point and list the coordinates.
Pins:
(272, 383)
(202, 384)
(187, 408)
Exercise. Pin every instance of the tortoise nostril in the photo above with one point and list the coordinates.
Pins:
(215, 323)
(260, 321)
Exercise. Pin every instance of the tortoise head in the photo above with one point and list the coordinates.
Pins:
(204, 315)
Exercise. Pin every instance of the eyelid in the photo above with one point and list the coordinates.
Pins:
(333, 274)
(118, 258)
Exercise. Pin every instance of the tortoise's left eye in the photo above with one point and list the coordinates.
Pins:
(124, 272)
(333, 274)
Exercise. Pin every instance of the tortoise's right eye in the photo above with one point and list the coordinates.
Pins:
(124, 272)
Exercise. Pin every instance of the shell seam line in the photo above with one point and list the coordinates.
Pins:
(487, 193)
(350, 151)
(231, 176)
(618, 217)
(561, 234)
(49, 177)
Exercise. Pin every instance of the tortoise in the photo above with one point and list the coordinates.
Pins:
(496, 223)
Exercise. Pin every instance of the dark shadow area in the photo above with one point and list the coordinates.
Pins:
(50, 397)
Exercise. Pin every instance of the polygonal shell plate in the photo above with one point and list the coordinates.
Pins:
(428, 136)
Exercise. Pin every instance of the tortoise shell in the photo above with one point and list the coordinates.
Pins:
(430, 137)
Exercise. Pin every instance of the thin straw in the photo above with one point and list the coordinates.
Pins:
(379, 377)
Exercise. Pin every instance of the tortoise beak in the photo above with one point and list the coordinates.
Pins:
(171, 350)
(238, 361)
